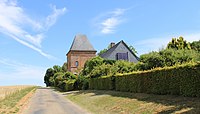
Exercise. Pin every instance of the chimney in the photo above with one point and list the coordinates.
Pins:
(112, 44)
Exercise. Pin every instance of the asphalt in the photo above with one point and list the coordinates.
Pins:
(47, 101)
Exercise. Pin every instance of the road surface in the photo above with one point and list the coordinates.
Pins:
(47, 101)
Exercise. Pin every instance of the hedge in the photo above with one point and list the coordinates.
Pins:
(178, 80)
(102, 83)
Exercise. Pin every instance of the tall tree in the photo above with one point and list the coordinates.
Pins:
(178, 43)
(64, 67)
(48, 75)
(195, 45)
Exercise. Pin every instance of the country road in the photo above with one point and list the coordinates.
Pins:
(47, 101)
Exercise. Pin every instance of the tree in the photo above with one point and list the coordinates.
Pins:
(133, 49)
(151, 60)
(104, 50)
(57, 68)
(64, 67)
(49, 73)
(179, 43)
(195, 46)
(90, 64)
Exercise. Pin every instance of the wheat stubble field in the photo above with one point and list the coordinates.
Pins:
(12, 98)
(8, 90)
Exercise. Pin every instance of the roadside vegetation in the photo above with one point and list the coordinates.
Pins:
(115, 102)
(162, 81)
(165, 68)
(7, 90)
(9, 101)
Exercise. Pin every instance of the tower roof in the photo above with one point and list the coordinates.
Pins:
(81, 43)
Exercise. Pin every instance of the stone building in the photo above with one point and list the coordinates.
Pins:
(81, 50)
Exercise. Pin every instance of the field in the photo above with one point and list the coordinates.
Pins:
(7, 90)
(113, 102)
(12, 98)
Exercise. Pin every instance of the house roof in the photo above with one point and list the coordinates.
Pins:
(109, 51)
(81, 43)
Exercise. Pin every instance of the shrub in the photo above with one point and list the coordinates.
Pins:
(152, 60)
(90, 64)
(58, 78)
(69, 85)
(125, 66)
(103, 70)
(81, 83)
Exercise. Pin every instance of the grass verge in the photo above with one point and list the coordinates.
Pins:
(7, 105)
(113, 102)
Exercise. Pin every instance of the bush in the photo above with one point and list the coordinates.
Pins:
(125, 66)
(103, 70)
(58, 78)
(81, 83)
(172, 57)
(69, 85)
(90, 64)
(152, 60)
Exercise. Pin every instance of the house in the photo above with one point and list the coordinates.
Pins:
(120, 51)
(81, 50)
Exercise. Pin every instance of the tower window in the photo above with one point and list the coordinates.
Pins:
(76, 63)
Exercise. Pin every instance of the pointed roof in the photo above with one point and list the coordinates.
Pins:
(81, 43)
(109, 51)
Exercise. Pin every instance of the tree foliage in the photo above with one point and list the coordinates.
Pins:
(178, 43)
(133, 49)
(109, 46)
(195, 46)
(178, 52)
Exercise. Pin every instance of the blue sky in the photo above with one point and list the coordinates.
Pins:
(36, 34)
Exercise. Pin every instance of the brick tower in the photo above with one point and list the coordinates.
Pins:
(81, 50)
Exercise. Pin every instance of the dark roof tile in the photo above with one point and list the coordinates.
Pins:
(81, 43)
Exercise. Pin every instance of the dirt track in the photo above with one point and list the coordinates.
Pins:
(47, 101)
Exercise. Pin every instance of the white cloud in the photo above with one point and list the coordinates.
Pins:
(108, 25)
(14, 23)
(108, 22)
(51, 19)
(154, 44)
(17, 73)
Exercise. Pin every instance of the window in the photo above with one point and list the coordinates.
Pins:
(76, 63)
(122, 56)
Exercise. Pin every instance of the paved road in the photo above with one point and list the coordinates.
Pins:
(47, 101)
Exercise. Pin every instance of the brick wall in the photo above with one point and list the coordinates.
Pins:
(81, 57)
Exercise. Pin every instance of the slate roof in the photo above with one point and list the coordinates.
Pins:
(81, 43)
(109, 51)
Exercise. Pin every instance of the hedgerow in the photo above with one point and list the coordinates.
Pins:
(102, 83)
(178, 80)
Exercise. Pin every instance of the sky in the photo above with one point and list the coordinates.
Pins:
(37, 34)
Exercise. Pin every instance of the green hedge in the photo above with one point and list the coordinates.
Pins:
(102, 83)
(178, 80)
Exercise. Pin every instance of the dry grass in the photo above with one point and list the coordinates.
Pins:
(12, 96)
(113, 102)
(7, 90)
